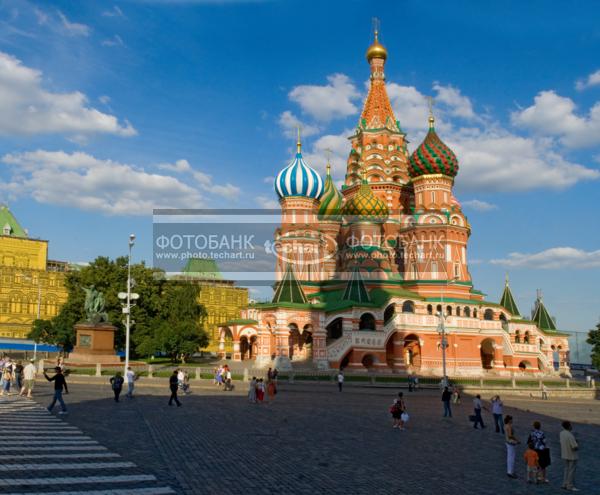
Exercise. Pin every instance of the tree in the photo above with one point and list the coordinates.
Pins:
(594, 340)
(109, 277)
(176, 330)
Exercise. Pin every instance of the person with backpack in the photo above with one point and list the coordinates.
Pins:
(59, 384)
(116, 383)
(7, 376)
(538, 437)
(173, 386)
(446, 396)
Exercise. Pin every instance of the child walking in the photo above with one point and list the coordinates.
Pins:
(532, 460)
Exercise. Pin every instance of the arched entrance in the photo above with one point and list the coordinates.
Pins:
(412, 351)
(525, 365)
(300, 342)
(226, 343)
(248, 347)
(334, 330)
(367, 322)
(368, 361)
(487, 354)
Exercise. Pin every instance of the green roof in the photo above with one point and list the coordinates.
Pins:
(289, 290)
(508, 301)
(355, 289)
(542, 318)
(8, 221)
(205, 269)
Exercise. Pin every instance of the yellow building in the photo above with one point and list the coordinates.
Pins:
(222, 300)
(31, 285)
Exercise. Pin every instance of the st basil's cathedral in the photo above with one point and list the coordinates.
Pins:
(371, 276)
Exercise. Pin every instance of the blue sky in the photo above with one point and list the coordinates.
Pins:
(112, 108)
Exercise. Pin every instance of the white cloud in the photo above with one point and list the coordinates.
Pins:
(554, 115)
(73, 28)
(179, 166)
(458, 104)
(553, 258)
(28, 108)
(290, 123)
(325, 103)
(79, 180)
(497, 160)
(592, 80)
(42, 17)
(267, 203)
(116, 40)
(336, 145)
(478, 205)
(205, 181)
(410, 106)
(104, 99)
(114, 12)
(269, 179)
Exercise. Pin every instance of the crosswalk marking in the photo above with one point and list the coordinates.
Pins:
(75, 480)
(127, 491)
(65, 466)
(36, 444)
(79, 455)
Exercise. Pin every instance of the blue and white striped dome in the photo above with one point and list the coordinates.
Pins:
(298, 179)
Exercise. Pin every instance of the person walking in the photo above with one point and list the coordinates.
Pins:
(455, 395)
(271, 390)
(131, 379)
(116, 383)
(446, 396)
(544, 392)
(340, 380)
(29, 373)
(538, 437)
(228, 382)
(173, 386)
(60, 384)
(477, 406)
(186, 383)
(497, 412)
(532, 459)
(569, 454)
(260, 391)
(403, 413)
(7, 376)
(511, 445)
(18, 375)
(252, 390)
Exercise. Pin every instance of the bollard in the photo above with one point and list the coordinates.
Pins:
(98, 369)
(198, 373)
(481, 382)
(291, 378)
(246, 379)
(150, 371)
(41, 366)
(568, 383)
(513, 382)
(593, 383)
(372, 379)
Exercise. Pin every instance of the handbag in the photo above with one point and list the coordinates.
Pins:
(404, 417)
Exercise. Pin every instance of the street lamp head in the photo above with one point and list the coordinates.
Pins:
(131, 239)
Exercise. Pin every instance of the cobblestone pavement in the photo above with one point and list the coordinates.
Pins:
(316, 440)
(43, 454)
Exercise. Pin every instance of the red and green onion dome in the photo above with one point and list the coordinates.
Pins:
(432, 157)
(364, 206)
(330, 208)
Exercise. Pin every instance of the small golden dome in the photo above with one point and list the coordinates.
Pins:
(376, 50)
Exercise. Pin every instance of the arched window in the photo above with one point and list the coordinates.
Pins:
(488, 314)
(517, 337)
(526, 338)
(467, 312)
(438, 309)
(408, 307)
(389, 312)
(458, 311)
(449, 310)
(367, 322)
(429, 309)
(475, 313)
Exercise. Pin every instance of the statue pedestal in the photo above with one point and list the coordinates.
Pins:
(95, 344)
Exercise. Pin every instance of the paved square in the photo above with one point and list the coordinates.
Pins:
(316, 440)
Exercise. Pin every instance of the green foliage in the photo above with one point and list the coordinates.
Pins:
(594, 340)
(177, 330)
(166, 315)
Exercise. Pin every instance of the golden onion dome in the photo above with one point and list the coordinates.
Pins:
(376, 50)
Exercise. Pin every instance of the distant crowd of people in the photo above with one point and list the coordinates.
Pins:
(259, 389)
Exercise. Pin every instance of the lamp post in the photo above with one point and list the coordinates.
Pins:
(127, 308)
(442, 330)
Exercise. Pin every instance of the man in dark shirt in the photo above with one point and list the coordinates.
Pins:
(173, 385)
(446, 396)
(59, 384)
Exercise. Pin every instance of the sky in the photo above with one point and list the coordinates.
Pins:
(110, 109)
